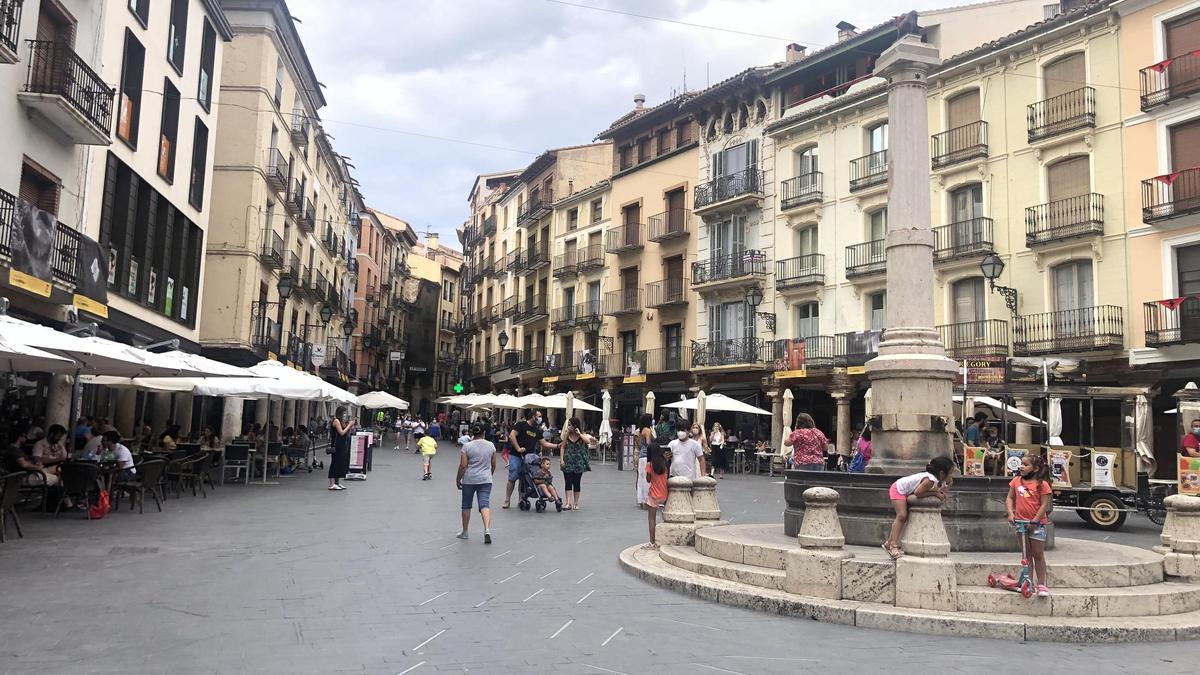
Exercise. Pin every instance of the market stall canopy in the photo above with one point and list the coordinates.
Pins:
(1000, 410)
(19, 358)
(92, 355)
(382, 399)
(718, 403)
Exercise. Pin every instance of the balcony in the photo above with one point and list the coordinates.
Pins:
(801, 190)
(271, 254)
(501, 360)
(563, 318)
(354, 220)
(533, 210)
(514, 262)
(564, 264)
(670, 292)
(732, 352)
(293, 267)
(960, 144)
(964, 239)
(855, 348)
(729, 191)
(308, 220)
(509, 307)
(660, 360)
(267, 337)
(1064, 219)
(975, 339)
(737, 268)
(804, 353)
(1087, 329)
(623, 301)
(300, 127)
(64, 90)
(868, 170)
(370, 295)
(673, 224)
(627, 237)
(531, 309)
(1170, 80)
(294, 203)
(352, 267)
(866, 259)
(489, 226)
(1171, 196)
(535, 258)
(64, 256)
(487, 268)
(320, 287)
(1062, 114)
(589, 258)
(800, 272)
(530, 359)
(307, 283)
(10, 27)
(330, 241)
(1170, 322)
(277, 170)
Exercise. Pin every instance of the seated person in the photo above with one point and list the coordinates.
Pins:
(92, 448)
(121, 454)
(543, 478)
(168, 439)
(15, 459)
(209, 440)
(51, 451)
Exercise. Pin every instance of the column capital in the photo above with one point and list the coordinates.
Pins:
(907, 61)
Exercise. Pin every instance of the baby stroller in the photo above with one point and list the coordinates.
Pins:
(530, 469)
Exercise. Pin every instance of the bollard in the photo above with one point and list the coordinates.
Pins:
(925, 535)
(1168, 525)
(679, 507)
(704, 498)
(925, 576)
(1183, 558)
(821, 528)
(816, 569)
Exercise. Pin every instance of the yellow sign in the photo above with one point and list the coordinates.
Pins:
(634, 379)
(856, 370)
(31, 284)
(549, 380)
(787, 374)
(89, 305)
(585, 376)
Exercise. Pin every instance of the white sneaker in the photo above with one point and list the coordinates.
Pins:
(340, 486)
(461, 535)
(333, 487)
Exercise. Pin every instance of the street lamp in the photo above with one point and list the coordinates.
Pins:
(992, 266)
(592, 325)
(326, 313)
(503, 340)
(754, 298)
(348, 328)
(285, 286)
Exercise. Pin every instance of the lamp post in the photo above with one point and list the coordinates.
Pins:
(754, 298)
(592, 324)
(992, 266)
(258, 310)
(502, 339)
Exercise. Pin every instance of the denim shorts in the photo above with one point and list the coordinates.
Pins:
(484, 490)
(1036, 531)
(514, 466)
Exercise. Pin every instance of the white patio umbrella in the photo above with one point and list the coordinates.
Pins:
(700, 408)
(570, 404)
(867, 403)
(1143, 426)
(382, 399)
(719, 403)
(534, 401)
(786, 426)
(559, 402)
(1055, 421)
(18, 358)
(92, 355)
(650, 403)
(998, 409)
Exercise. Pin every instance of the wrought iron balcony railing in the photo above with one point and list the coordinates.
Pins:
(627, 237)
(308, 221)
(489, 226)
(623, 301)
(959, 144)
(503, 359)
(804, 270)
(531, 308)
(868, 170)
(1169, 80)
(1085, 329)
(536, 257)
(10, 27)
(673, 224)
(728, 352)
(866, 258)
(1174, 321)
(56, 70)
(271, 254)
(589, 258)
(1171, 196)
(668, 292)
(803, 353)
(277, 169)
(295, 198)
(855, 348)
(975, 339)
(751, 262)
(564, 264)
(510, 306)
(300, 127)
(1065, 218)
(748, 182)
(803, 189)
(967, 238)
(1061, 114)
(531, 211)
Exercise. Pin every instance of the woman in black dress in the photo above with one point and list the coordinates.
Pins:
(339, 463)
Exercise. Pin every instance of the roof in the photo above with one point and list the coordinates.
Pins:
(583, 194)
(671, 105)
(290, 38)
(396, 225)
(752, 76)
(839, 102)
(1058, 20)
(834, 49)
(219, 19)
(544, 160)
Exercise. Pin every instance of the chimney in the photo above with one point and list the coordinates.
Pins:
(639, 101)
(570, 186)
(846, 30)
(432, 242)
(794, 53)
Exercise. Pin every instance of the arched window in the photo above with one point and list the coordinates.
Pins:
(760, 111)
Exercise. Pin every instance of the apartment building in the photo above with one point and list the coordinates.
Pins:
(380, 306)
(447, 313)
(480, 236)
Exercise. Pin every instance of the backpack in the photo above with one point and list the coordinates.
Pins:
(100, 508)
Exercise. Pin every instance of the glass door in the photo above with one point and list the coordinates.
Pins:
(1073, 299)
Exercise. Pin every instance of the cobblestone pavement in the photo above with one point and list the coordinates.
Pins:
(292, 578)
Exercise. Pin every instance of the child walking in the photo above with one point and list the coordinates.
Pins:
(428, 448)
(932, 482)
(657, 467)
(1029, 499)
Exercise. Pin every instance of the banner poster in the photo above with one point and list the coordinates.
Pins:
(1189, 476)
(635, 364)
(973, 461)
(790, 355)
(1012, 462)
(1060, 468)
(587, 362)
(982, 371)
(31, 244)
(1102, 469)
(92, 277)
(1032, 370)
(553, 364)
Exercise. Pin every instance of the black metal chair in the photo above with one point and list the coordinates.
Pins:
(237, 457)
(78, 479)
(194, 471)
(10, 496)
(148, 478)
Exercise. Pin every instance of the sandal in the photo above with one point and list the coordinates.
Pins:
(649, 547)
(505, 505)
(894, 551)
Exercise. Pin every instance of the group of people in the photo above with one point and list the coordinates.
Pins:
(41, 455)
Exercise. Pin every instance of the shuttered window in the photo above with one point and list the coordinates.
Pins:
(962, 109)
(1068, 178)
(1185, 145)
(39, 187)
(1065, 75)
(1183, 35)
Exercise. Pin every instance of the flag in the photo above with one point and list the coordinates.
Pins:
(1168, 179)
(1161, 66)
(1172, 303)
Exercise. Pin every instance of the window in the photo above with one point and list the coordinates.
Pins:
(140, 9)
(673, 347)
(596, 210)
(877, 138)
(643, 150)
(877, 225)
(572, 219)
(208, 56)
(1064, 75)
(39, 187)
(664, 140)
(1068, 178)
(279, 82)
(628, 341)
(1182, 37)
(735, 160)
(728, 241)
(878, 305)
(132, 69)
(807, 319)
(169, 131)
(1185, 143)
(683, 134)
(805, 161)
(963, 109)
(593, 297)
(966, 203)
(727, 321)
(1073, 285)
(199, 165)
(1187, 266)
(969, 305)
(807, 241)
(177, 33)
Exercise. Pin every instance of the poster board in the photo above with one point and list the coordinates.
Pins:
(1104, 469)
(1012, 460)
(1189, 476)
(1060, 467)
(973, 461)
(358, 455)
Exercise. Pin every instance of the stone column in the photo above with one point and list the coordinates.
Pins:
(911, 377)
(305, 412)
(679, 518)
(1182, 559)
(816, 569)
(289, 415)
(704, 500)
(160, 412)
(276, 416)
(260, 413)
(925, 576)
(776, 419)
(231, 418)
(58, 402)
(183, 412)
(1023, 432)
(844, 432)
(126, 411)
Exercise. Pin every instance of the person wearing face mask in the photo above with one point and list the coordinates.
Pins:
(1190, 445)
(687, 455)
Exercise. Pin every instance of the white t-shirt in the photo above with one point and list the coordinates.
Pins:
(717, 438)
(684, 457)
(908, 484)
(123, 456)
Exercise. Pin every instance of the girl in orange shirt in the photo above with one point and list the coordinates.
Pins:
(656, 476)
(1029, 499)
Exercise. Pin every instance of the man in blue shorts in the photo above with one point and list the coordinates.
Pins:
(476, 465)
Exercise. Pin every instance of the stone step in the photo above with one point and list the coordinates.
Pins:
(688, 558)
(1150, 600)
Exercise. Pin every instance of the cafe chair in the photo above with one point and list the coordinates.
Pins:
(148, 478)
(78, 479)
(10, 496)
(237, 459)
(194, 471)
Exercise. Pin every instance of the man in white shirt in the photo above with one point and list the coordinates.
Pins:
(124, 458)
(686, 456)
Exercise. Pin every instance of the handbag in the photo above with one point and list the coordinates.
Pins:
(100, 508)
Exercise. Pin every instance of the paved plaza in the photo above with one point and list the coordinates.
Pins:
(292, 578)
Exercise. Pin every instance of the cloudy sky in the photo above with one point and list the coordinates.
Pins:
(423, 96)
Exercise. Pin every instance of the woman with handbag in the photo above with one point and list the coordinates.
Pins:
(339, 464)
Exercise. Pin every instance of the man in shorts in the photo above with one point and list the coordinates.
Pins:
(476, 464)
(523, 438)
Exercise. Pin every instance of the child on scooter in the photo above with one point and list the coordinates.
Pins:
(934, 481)
(1029, 499)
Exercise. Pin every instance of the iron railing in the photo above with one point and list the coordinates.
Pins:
(1061, 114)
(10, 24)
(533, 358)
(589, 258)
(293, 267)
(730, 352)
(487, 268)
(489, 226)
(804, 270)
(723, 188)
(295, 198)
(1172, 322)
(510, 306)
(536, 258)
(267, 335)
(803, 189)
(974, 339)
(868, 170)
(669, 225)
(803, 353)
(271, 254)
(513, 261)
(1168, 80)
(660, 360)
(65, 254)
(959, 144)
(751, 262)
(532, 210)
(1171, 195)
(623, 301)
(972, 237)
(669, 291)
(1066, 331)
(277, 169)
(531, 308)
(300, 127)
(308, 221)
(54, 68)
(855, 348)
(866, 258)
(564, 264)
(1065, 218)
(627, 237)
(503, 359)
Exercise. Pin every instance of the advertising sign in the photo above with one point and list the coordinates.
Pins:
(1189, 476)
(973, 461)
(1102, 469)
(982, 371)
(1012, 462)
(1047, 371)
(393, 356)
(31, 243)
(1060, 468)
(635, 367)
(317, 355)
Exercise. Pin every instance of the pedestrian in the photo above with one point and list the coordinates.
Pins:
(687, 455)
(418, 431)
(427, 446)
(696, 433)
(1029, 500)
(339, 463)
(645, 438)
(1189, 445)
(716, 441)
(398, 426)
(476, 464)
(934, 481)
(808, 445)
(573, 459)
(522, 438)
(974, 435)
(862, 451)
(655, 472)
